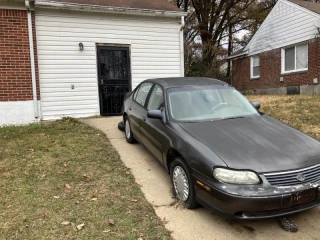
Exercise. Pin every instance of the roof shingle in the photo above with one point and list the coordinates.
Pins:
(161, 5)
(312, 6)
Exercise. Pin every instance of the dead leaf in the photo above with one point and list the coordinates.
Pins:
(132, 200)
(93, 199)
(85, 175)
(106, 231)
(111, 222)
(164, 221)
(80, 226)
(56, 197)
(65, 165)
(9, 206)
(67, 186)
(31, 150)
(65, 223)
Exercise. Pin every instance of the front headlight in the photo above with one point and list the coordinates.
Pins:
(235, 177)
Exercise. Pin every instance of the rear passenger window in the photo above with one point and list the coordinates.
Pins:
(156, 98)
(142, 93)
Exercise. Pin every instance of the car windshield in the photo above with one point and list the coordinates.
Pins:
(208, 103)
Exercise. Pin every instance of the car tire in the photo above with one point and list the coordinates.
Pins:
(181, 179)
(127, 131)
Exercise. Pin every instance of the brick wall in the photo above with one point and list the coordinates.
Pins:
(15, 65)
(270, 70)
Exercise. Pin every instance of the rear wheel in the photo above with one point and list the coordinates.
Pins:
(182, 183)
(128, 131)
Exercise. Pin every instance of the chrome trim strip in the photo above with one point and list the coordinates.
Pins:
(151, 138)
(134, 122)
(293, 171)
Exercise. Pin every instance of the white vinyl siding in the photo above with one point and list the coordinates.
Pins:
(287, 24)
(154, 50)
(255, 66)
(294, 58)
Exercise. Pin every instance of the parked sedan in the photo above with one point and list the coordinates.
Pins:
(220, 151)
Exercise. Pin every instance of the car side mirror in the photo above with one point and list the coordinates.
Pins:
(155, 114)
(256, 105)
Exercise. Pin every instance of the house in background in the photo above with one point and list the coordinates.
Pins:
(86, 55)
(283, 57)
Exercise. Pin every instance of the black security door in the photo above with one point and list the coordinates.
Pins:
(114, 78)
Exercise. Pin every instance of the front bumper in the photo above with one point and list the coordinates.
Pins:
(253, 205)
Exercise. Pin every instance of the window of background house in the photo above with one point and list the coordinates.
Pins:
(255, 66)
(295, 58)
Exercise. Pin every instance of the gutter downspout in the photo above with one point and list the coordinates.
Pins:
(182, 46)
(33, 70)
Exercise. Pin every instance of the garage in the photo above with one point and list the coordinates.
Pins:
(90, 53)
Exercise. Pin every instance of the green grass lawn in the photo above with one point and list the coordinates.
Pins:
(300, 111)
(58, 176)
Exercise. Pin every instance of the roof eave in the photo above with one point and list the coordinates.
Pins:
(243, 54)
(106, 9)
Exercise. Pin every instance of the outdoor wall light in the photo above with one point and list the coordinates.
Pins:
(81, 46)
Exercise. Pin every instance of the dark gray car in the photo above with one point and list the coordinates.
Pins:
(220, 151)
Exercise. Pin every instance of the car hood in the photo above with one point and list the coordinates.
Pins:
(259, 143)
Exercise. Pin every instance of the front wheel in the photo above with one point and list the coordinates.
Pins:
(182, 183)
(128, 131)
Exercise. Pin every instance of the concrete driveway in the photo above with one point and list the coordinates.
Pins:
(200, 223)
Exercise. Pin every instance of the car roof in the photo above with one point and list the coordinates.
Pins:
(187, 81)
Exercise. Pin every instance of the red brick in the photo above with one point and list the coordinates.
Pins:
(270, 70)
(15, 65)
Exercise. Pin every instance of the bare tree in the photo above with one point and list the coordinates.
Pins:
(183, 4)
(211, 27)
(214, 18)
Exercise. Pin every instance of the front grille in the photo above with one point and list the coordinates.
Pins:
(296, 177)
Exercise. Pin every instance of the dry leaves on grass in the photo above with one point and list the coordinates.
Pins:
(80, 226)
(65, 223)
(64, 188)
(111, 222)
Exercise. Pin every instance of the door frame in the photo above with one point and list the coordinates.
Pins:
(111, 46)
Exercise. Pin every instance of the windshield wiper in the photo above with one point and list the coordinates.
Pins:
(230, 118)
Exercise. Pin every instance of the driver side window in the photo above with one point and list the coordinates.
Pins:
(156, 99)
